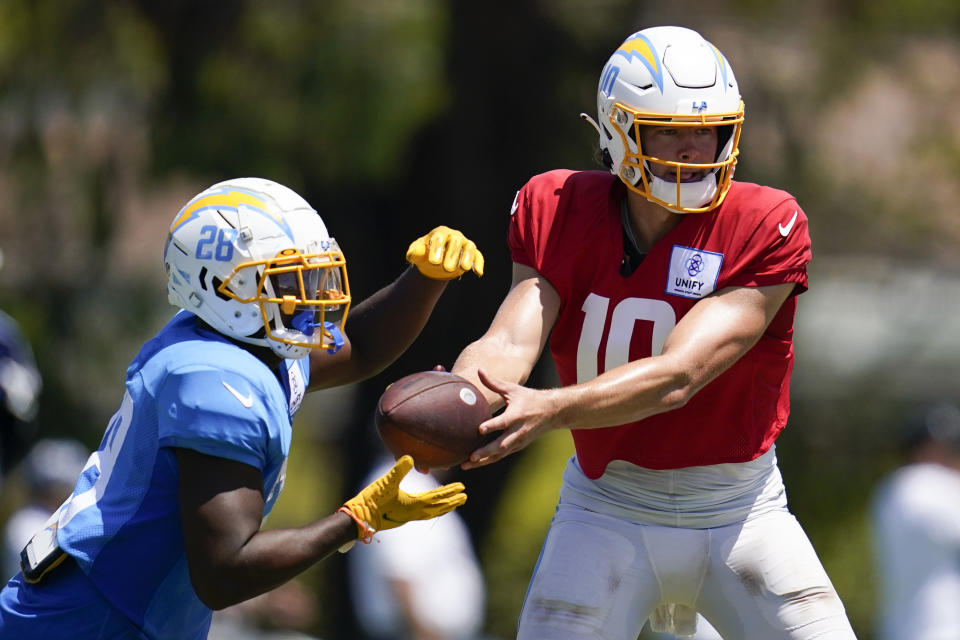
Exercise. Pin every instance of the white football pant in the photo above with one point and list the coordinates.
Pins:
(601, 577)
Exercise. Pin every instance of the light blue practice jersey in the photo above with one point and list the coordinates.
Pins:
(188, 387)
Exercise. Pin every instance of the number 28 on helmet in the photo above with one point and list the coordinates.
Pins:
(254, 260)
(669, 76)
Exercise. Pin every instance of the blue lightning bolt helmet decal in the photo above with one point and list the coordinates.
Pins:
(722, 64)
(639, 46)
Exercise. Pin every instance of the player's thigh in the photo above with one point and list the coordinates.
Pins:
(593, 580)
(766, 582)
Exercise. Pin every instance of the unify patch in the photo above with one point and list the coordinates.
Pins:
(693, 272)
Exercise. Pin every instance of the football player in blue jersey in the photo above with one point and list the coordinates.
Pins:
(163, 525)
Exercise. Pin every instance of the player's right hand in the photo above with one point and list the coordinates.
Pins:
(384, 505)
(444, 254)
(528, 414)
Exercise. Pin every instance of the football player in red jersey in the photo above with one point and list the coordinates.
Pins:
(668, 296)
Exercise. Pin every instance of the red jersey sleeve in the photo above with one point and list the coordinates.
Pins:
(532, 217)
(523, 238)
(778, 251)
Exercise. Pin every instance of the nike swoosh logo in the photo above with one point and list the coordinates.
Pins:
(785, 230)
(516, 203)
(246, 401)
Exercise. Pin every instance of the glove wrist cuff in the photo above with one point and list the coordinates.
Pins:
(365, 531)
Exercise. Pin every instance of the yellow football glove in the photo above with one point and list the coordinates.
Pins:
(384, 505)
(444, 254)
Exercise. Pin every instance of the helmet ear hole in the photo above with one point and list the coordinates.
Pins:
(606, 159)
(216, 282)
(723, 137)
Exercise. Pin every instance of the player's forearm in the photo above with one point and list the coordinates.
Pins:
(384, 325)
(269, 559)
(625, 394)
(512, 345)
(496, 358)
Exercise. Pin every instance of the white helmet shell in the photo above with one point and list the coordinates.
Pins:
(255, 261)
(669, 74)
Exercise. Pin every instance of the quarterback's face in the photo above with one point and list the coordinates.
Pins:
(694, 145)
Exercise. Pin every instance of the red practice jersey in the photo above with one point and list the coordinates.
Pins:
(567, 226)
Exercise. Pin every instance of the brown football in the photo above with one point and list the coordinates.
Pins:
(432, 416)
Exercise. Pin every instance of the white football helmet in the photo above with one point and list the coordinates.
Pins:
(254, 260)
(669, 74)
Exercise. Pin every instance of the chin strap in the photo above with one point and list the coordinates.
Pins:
(692, 195)
(303, 322)
(330, 330)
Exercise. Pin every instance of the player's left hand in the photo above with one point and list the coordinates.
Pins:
(384, 505)
(444, 254)
(529, 413)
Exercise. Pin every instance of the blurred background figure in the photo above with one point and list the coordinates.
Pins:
(916, 527)
(421, 581)
(281, 614)
(20, 385)
(48, 474)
